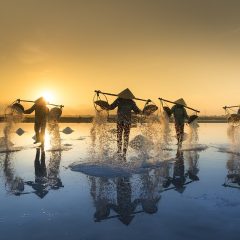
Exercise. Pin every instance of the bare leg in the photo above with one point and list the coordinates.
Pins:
(37, 134)
(119, 137)
(126, 138)
(42, 134)
(179, 132)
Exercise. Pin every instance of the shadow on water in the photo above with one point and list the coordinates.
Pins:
(13, 183)
(232, 179)
(124, 198)
(47, 177)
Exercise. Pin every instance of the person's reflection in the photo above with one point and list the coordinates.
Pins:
(179, 177)
(13, 184)
(54, 180)
(101, 192)
(54, 133)
(125, 207)
(233, 176)
(41, 182)
(151, 187)
(55, 156)
(192, 159)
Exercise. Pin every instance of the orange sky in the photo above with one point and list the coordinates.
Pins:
(69, 48)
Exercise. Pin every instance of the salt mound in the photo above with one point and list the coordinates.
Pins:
(67, 130)
(141, 143)
(194, 147)
(101, 169)
(20, 132)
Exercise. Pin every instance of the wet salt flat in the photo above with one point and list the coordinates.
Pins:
(76, 194)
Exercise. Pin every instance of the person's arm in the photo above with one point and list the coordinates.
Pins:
(135, 108)
(30, 110)
(185, 114)
(113, 105)
(173, 109)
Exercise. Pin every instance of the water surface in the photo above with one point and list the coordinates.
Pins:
(194, 195)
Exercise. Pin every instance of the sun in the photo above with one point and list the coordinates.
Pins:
(48, 96)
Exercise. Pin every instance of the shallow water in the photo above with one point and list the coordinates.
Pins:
(191, 195)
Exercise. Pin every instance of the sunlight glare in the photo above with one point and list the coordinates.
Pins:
(48, 96)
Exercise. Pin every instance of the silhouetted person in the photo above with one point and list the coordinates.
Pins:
(179, 177)
(13, 184)
(125, 207)
(41, 182)
(180, 115)
(125, 105)
(192, 158)
(233, 176)
(238, 112)
(150, 192)
(100, 191)
(41, 114)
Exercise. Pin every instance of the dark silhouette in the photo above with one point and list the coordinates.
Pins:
(104, 202)
(125, 105)
(46, 178)
(238, 112)
(41, 182)
(41, 114)
(179, 176)
(233, 177)
(180, 115)
(182, 177)
(13, 183)
(125, 207)
(150, 191)
(99, 190)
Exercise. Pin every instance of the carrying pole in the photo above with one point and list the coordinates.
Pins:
(20, 100)
(161, 99)
(55, 105)
(225, 107)
(30, 101)
(115, 95)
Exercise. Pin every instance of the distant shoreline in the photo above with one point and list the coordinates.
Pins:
(112, 118)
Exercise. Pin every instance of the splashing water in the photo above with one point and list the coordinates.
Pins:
(11, 118)
(54, 133)
(149, 142)
(192, 161)
(13, 183)
(192, 137)
(166, 137)
(233, 133)
(155, 137)
(102, 137)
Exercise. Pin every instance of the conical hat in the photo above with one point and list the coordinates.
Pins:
(126, 94)
(181, 101)
(41, 101)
